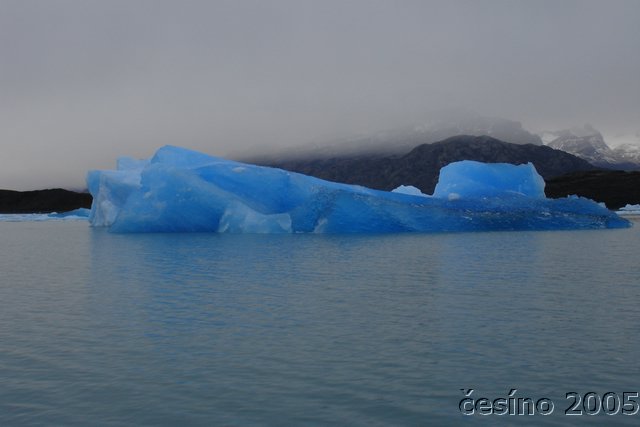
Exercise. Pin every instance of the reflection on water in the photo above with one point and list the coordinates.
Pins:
(205, 329)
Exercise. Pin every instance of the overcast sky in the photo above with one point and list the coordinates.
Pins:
(82, 82)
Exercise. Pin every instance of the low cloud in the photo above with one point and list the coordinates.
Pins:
(85, 81)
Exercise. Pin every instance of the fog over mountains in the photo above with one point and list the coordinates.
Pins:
(440, 125)
(569, 160)
(86, 81)
(585, 142)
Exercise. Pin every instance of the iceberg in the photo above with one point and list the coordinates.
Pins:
(80, 213)
(180, 190)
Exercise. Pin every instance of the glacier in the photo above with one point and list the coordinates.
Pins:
(180, 190)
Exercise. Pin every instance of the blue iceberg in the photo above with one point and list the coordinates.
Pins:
(180, 190)
(76, 214)
(80, 213)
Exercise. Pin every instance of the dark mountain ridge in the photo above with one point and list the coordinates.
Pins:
(42, 201)
(421, 166)
(613, 188)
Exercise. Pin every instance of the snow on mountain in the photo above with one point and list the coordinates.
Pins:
(628, 152)
(548, 136)
(588, 144)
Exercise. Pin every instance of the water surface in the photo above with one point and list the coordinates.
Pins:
(365, 330)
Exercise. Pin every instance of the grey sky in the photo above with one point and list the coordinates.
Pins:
(82, 82)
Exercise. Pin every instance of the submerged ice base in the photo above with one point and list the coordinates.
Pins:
(180, 190)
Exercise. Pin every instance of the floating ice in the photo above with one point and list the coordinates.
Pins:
(410, 190)
(76, 214)
(469, 179)
(80, 213)
(629, 210)
(182, 190)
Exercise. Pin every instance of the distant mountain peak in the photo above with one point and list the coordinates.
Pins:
(584, 131)
(588, 143)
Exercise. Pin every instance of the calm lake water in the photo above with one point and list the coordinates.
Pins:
(314, 330)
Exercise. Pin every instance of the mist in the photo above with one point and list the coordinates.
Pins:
(83, 81)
